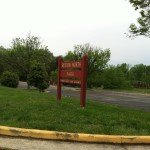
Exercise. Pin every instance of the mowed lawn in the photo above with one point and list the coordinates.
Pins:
(31, 109)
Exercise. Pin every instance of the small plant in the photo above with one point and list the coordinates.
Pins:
(9, 79)
(38, 77)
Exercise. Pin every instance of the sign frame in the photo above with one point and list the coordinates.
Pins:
(76, 70)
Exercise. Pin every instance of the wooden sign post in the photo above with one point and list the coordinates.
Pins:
(73, 72)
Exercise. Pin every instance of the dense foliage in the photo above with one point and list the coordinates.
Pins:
(9, 79)
(23, 52)
(125, 76)
(97, 59)
(38, 77)
(26, 53)
(115, 78)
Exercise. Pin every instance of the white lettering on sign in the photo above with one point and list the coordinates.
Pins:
(76, 64)
(66, 65)
(70, 81)
(70, 74)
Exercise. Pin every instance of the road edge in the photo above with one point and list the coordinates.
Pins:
(80, 137)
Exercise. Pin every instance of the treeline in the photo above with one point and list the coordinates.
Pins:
(23, 53)
(125, 76)
(28, 58)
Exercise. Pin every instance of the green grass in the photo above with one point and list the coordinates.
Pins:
(31, 109)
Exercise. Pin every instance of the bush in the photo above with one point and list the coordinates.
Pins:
(38, 77)
(114, 78)
(9, 79)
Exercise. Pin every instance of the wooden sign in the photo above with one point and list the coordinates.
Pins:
(73, 72)
(70, 74)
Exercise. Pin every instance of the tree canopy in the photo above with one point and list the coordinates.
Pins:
(26, 51)
(143, 27)
(97, 59)
(23, 53)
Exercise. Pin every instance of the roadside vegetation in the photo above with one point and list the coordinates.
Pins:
(32, 109)
(24, 53)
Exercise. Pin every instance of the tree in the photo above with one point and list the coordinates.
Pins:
(144, 20)
(137, 72)
(26, 51)
(140, 75)
(147, 74)
(97, 58)
(38, 77)
(2, 49)
(114, 78)
(23, 50)
(125, 68)
(44, 56)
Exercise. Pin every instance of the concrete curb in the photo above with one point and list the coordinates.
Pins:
(54, 135)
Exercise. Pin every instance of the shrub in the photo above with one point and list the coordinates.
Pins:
(38, 77)
(9, 79)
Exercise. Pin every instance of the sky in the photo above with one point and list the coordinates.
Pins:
(61, 24)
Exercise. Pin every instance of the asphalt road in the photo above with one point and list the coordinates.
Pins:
(131, 100)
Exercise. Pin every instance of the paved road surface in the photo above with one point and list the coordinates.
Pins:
(34, 144)
(131, 100)
(138, 101)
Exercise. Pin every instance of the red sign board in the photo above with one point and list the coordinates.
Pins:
(73, 72)
(70, 74)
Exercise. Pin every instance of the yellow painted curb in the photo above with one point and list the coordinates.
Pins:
(54, 135)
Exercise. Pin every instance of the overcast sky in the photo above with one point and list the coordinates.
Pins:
(61, 24)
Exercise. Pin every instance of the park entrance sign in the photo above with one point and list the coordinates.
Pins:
(73, 72)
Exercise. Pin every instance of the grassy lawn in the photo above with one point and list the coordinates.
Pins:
(31, 109)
